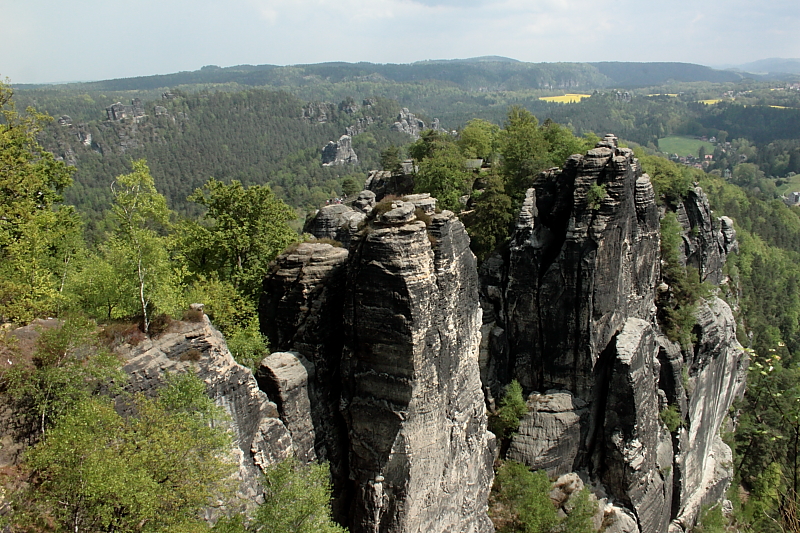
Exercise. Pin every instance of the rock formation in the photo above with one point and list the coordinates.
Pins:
(570, 313)
(120, 111)
(260, 436)
(339, 153)
(396, 385)
(407, 122)
(339, 221)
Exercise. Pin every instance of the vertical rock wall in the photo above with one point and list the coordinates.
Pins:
(420, 454)
(570, 313)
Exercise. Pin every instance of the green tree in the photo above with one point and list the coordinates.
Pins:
(61, 376)
(244, 229)
(479, 139)
(38, 237)
(526, 495)
(443, 175)
(390, 159)
(512, 408)
(490, 224)
(296, 500)
(524, 150)
(97, 471)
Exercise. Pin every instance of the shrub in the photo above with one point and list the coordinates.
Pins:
(525, 495)
(512, 408)
(671, 418)
(595, 195)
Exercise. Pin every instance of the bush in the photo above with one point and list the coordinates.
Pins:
(671, 418)
(595, 195)
(512, 408)
(525, 496)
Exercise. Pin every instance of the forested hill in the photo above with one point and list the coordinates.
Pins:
(254, 136)
(479, 73)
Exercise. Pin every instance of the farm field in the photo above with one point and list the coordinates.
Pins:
(684, 146)
(565, 99)
(792, 184)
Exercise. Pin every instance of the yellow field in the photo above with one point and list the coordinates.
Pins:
(566, 99)
(710, 102)
(674, 95)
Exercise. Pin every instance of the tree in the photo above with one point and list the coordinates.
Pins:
(444, 175)
(524, 150)
(38, 237)
(490, 224)
(97, 471)
(136, 248)
(390, 160)
(245, 229)
(526, 495)
(479, 139)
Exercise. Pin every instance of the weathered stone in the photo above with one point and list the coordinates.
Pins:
(423, 201)
(260, 438)
(339, 152)
(408, 123)
(384, 183)
(420, 454)
(338, 222)
(400, 213)
(707, 240)
(549, 436)
(284, 376)
(365, 202)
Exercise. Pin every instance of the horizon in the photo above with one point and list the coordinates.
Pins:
(146, 37)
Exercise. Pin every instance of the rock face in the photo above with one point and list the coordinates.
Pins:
(571, 307)
(120, 111)
(338, 222)
(420, 455)
(339, 153)
(394, 392)
(408, 123)
(384, 183)
(260, 437)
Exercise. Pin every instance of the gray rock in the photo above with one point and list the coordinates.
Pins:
(284, 377)
(424, 201)
(365, 202)
(549, 436)
(420, 455)
(408, 123)
(338, 222)
(260, 437)
(400, 213)
(384, 183)
(339, 153)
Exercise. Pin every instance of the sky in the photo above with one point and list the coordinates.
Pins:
(82, 40)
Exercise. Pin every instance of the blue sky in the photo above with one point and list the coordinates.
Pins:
(54, 40)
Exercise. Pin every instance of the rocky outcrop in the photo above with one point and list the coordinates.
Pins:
(384, 183)
(359, 127)
(260, 437)
(549, 435)
(338, 222)
(420, 454)
(408, 122)
(320, 112)
(571, 307)
(396, 385)
(339, 153)
(121, 111)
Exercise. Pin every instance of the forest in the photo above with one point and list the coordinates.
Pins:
(105, 224)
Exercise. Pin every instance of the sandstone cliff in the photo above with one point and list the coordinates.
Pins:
(339, 152)
(570, 312)
(394, 392)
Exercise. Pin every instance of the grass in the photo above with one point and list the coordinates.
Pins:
(790, 184)
(675, 144)
(565, 99)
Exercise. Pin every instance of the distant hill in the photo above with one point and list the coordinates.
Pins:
(772, 66)
(480, 73)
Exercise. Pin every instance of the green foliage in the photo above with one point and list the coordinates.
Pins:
(581, 517)
(711, 521)
(38, 238)
(390, 159)
(524, 150)
(526, 495)
(670, 180)
(595, 196)
(479, 139)
(137, 251)
(97, 471)
(245, 228)
(68, 367)
(512, 408)
(442, 174)
(671, 418)
(352, 185)
(490, 224)
(296, 500)
(677, 306)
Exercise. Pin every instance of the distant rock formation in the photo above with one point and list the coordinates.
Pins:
(318, 112)
(359, 127)
(408, 123)
(339, 153)
(120, 111)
